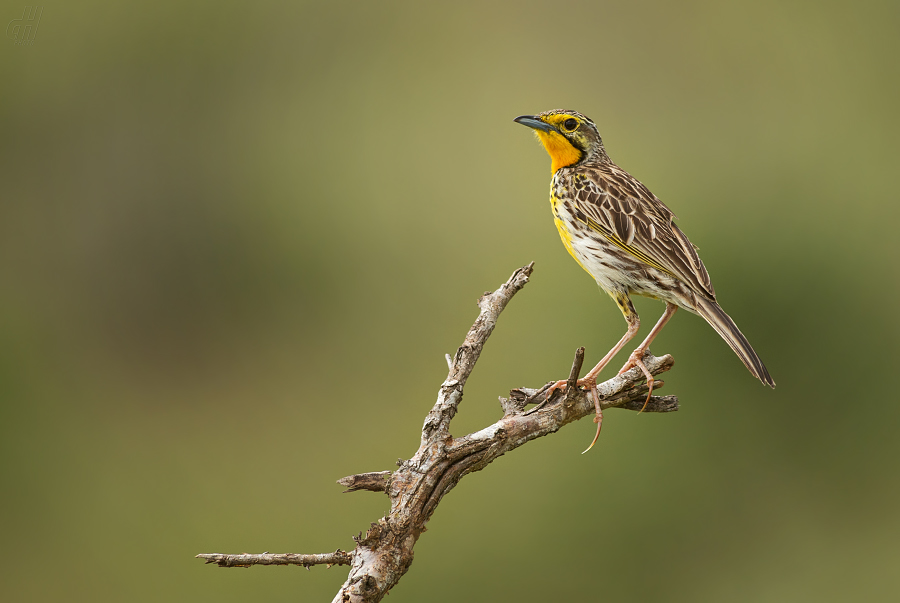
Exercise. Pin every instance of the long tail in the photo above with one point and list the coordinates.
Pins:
(725, 327)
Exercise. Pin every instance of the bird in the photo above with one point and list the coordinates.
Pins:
(627, 240)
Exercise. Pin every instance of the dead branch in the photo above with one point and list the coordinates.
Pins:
(415, 489)
(375, 482)
(338, 557)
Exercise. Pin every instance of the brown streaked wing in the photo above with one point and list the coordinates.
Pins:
(627, 214)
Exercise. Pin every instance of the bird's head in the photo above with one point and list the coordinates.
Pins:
(568, 136)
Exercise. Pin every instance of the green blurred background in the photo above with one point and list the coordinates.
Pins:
(237, 239)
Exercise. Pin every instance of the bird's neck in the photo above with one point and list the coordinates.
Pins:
(561, 151)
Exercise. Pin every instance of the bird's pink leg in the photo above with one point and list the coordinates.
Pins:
(591, 377)
(636, 358)
(590, 380)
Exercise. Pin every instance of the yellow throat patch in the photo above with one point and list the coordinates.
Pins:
(561, 151)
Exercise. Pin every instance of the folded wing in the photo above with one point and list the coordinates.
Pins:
(628, 215)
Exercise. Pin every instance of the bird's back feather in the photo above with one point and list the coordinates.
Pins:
(627, 214)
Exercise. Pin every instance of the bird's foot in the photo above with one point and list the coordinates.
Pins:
(585, 383)
(590, 383)
(636, 360)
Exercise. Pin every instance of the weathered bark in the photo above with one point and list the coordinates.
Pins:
(338, 557)
(384, 554)
(375, 482)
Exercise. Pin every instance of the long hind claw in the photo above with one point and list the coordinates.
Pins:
(649, 393)
(598, 419)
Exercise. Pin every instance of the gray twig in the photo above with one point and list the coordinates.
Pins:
(338, 557)
(450, 394)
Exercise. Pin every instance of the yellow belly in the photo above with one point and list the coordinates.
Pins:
(564, 233)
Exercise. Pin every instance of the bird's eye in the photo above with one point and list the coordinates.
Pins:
(570, 124)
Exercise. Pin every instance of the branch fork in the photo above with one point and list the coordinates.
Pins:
(415, 489)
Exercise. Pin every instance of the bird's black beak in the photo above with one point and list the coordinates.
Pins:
(533, 122)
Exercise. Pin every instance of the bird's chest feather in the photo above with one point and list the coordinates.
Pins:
(575, 235)
(592, 252)
(562, 218)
